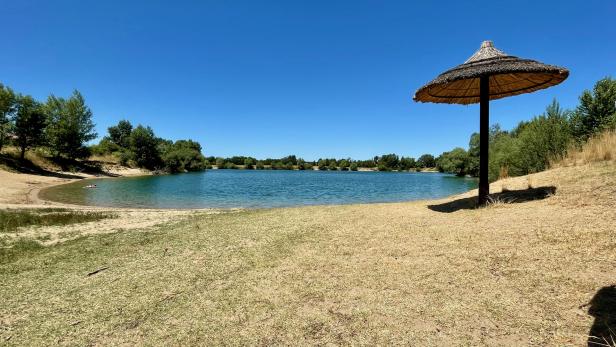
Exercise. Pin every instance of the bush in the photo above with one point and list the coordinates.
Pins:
(144, 148)
(597, 110)
(184, 156)
(456, 161)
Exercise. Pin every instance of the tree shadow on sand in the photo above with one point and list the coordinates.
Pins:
(507, 196)
(28, 167)
(603, 308)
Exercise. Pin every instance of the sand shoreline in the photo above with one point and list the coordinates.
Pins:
(22, 189)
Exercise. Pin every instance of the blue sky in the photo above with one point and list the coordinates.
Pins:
(311, 78)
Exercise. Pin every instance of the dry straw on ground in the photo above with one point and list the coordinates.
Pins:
(598, 148)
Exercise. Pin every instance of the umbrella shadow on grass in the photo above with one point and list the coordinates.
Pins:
(507, 197)
(603, 308)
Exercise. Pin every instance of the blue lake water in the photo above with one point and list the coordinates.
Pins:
(259, 189)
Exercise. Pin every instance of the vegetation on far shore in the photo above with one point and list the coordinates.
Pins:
(62, 127)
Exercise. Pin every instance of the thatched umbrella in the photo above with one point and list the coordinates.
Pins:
(489, 74)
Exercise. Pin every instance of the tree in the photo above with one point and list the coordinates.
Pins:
(597, 110)
(144, 148)
(344, 164)
(322, 164)
(388, 162)
(426, 160)
(353, 166)
(544, 138)
(120, 133)
(183, 156)
(7, 110)
(407, 163)
(30, 121)
(249, 163)
(473, 155)
(455, 161)
(70, 125)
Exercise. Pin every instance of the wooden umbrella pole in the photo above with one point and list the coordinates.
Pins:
(484, 138)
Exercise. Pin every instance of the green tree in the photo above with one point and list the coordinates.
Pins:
(344, 164)
(144, 148)
(8, 105)
(388, 162)
(426, 160)
(249, 163)
(503, 155)
(353, 166)
(70, 125)
(30, 121)
(184, 156)
(455, 161)
(407, 163)
(322, 164)
(596, 111)
(473, 155)
(544, 138)
(120, 133)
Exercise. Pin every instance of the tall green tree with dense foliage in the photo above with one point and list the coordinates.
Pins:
(144, 148)
(407, 163)
(30, 122)
(473, 155)
(388, 162)
(426, 160)
(597, 110)
(120, 134)
(249, 163)
(454, 161)
(70, 125)
(544, 138)
(8, 105)
(184, 156)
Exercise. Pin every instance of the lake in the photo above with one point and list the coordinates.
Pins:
(259, 189)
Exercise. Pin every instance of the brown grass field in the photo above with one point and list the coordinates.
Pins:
(534, 268)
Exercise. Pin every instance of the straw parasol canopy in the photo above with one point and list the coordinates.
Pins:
(489, 74)
(508, 76)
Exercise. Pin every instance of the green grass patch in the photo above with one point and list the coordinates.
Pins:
(11, 219)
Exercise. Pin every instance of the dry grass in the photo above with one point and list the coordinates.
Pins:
(525, 273)
(107, 159)
(599, 148)
(13, 219)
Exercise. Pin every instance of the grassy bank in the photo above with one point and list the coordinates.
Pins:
(12, 219)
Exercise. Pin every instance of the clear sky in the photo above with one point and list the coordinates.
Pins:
(311, 78)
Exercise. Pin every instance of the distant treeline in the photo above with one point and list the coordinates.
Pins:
(387, 162)
(531, 145)
(62, 128)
